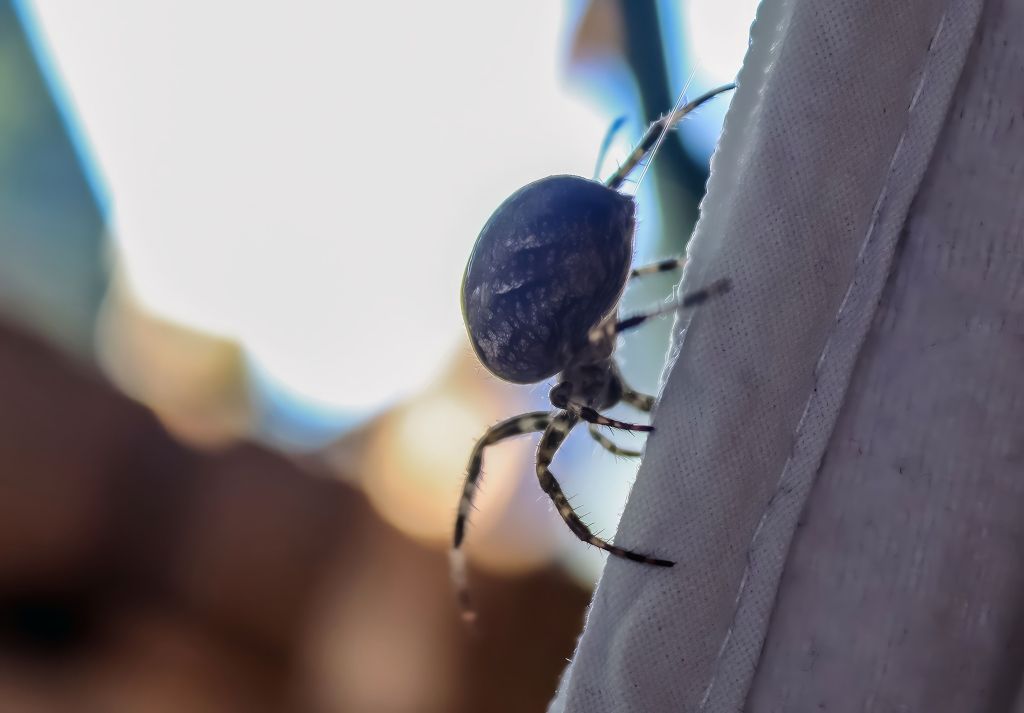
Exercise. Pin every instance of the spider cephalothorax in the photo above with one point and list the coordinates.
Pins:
(540, 297)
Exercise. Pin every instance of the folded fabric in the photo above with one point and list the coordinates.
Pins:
(838, 466)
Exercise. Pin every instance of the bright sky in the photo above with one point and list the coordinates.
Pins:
(308, 177)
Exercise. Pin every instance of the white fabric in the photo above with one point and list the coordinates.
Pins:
(839, 462)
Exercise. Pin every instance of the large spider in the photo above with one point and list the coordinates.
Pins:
(540, 297)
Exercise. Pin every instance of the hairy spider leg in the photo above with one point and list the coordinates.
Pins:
(639, 401)
(636, 399)
(552, 439)
(655, 131)
(515, 426)
(672, 263)
(689, 300)
(591, 416)
(609, 445)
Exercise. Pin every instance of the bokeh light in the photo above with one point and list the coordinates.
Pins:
(254, 218)
(294, 177)
(292, 218)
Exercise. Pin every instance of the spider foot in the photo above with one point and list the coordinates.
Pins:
(628, 554)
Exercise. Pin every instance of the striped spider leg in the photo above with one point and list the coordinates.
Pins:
(528, 323)
(554, 436)
(515, 426)
(656, 133)
(639, 401)
(610, 445)
(672, 263)
(610, 328)
(555, 427)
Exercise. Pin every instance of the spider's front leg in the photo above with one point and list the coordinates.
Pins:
(518, 425)
(552, 439)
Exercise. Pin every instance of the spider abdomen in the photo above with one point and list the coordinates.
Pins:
(548, 266)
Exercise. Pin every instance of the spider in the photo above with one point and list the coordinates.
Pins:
(539, 298)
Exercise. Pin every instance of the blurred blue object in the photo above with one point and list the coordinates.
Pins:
(52, 225)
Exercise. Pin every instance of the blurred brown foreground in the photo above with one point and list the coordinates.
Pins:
(137, 574)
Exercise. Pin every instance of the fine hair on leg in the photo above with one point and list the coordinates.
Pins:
(515, 426)
(696, 298)
(552, 439)
(610, 445)
(591, 416)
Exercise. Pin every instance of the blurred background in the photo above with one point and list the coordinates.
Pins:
(237, 396)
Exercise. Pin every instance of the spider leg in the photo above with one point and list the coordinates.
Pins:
(553, 437)
(639, 401)
(515, 426)
(591, 416)
(654, 132)
(518, 425)
(691, 299)
(672, 263)
(610, 445)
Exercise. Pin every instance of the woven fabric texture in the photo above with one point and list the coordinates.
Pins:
(839, 462)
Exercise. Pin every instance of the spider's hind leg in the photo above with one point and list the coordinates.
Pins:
(639, 401)
(553, 437)
(610, 445)
(518, 425)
